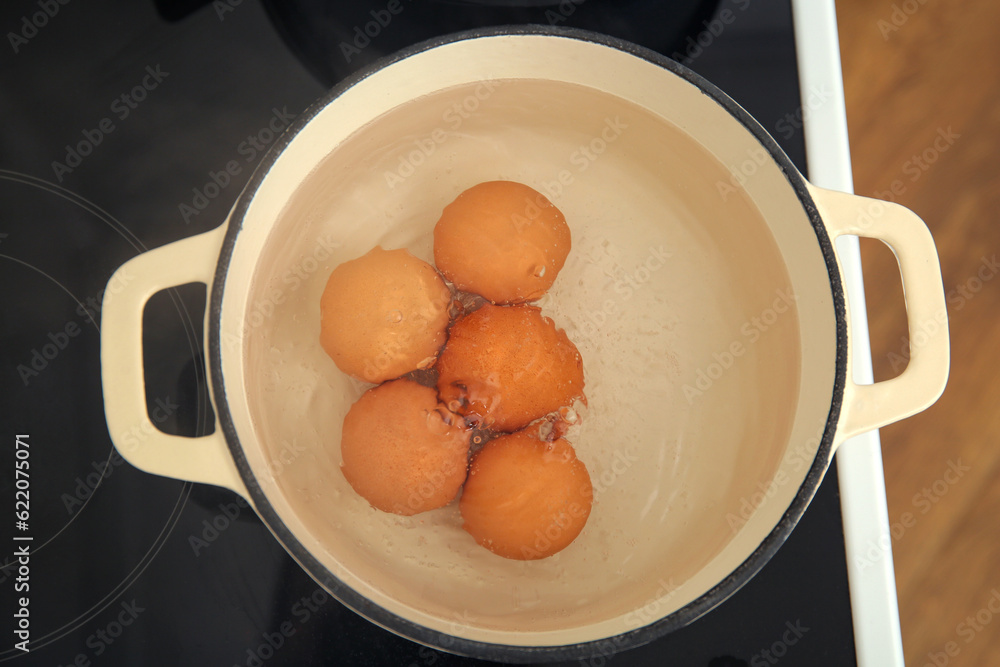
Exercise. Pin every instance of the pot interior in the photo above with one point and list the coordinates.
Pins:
(699, 302)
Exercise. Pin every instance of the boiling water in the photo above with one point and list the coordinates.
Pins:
(674, 292)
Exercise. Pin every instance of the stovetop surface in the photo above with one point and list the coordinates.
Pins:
(114, 120)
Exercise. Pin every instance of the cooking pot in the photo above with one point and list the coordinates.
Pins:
(703, 290)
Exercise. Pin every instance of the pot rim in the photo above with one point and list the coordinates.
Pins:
(505, 652)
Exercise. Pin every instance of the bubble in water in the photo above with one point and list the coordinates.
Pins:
(438, 422)
(394, 317)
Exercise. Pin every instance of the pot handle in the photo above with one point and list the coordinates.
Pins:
(203, 459)
(871, 406)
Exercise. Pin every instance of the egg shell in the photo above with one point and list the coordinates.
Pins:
(383, 315)
(505, 366)
(526, 498)
(502, 240)
(402, 450)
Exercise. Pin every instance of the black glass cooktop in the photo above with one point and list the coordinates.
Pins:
(128, 124)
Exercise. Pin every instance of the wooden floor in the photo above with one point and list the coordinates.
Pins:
(914, 71)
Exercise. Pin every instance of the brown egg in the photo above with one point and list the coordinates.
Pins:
(383, 315)
(505, 366)
(526, 498)
(502, 240)
(403, 451)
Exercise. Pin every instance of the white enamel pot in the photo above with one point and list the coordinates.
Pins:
(703, 290)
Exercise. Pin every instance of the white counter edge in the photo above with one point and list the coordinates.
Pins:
(859, 461)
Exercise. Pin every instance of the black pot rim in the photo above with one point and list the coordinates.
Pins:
(503, 652)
